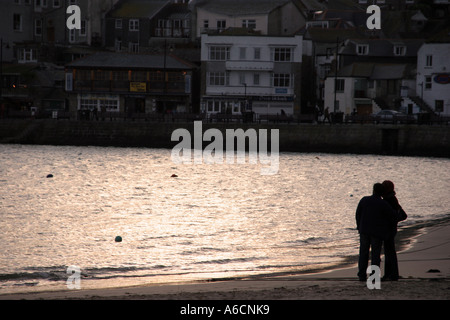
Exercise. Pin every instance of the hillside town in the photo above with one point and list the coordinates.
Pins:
(226, 60)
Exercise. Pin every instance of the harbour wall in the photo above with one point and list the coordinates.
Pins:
(404, 140)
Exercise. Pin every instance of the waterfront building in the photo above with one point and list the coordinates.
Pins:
(129, 85)
(433, 77)
(367, 88)
(242, 73)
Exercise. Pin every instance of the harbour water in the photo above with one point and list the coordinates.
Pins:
(211, 221)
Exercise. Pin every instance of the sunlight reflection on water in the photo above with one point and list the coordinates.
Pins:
(211, 221)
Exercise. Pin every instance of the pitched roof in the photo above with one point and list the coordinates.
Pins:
(376, 71)
(126, 60)
(138, 8)
(242, 7)
(330, 35)
(383, 47)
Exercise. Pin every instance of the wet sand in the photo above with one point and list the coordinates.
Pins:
(424, 267)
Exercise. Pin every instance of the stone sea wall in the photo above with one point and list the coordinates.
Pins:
(407, 140)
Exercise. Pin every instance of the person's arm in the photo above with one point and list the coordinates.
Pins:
(358, 213)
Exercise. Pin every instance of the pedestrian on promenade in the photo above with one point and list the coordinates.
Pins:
(326, 115)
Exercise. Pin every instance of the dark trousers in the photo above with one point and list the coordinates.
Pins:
(390, 256)
(367, 242)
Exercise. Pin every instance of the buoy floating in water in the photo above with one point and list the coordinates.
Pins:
(118, 239)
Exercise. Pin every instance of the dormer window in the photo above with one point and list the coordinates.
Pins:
(399, 50)
(362, 49)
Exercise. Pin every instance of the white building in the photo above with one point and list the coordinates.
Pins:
(367, 88)
(270, 17)
(258, 73)
(433, 76)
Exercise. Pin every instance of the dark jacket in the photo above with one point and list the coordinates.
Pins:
(393, 202)
(375, 217)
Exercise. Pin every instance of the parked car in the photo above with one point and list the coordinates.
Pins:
(392, 116)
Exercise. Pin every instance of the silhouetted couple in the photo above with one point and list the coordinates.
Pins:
(376, 219)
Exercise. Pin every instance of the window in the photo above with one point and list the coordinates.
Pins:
(249, 23)
(221, 24)
(399, 50)
(428, 83)
(340, 85)
(17, 22)
(101, 75)
(118, 45)
(27, 55)
(99, 103)
(139, 76)
(218, 78)
(120, 75)
(83, 74)
(257, 53)
(220, 53)
(38, 27)
(206, 24)
(83, 28)
(256, 79)
(133, 47)
(439, 105)
(134, 25)
(281, 80)
(109, 105)
(56, 3)
(362, 49)
(242, 79)
(242, 53)
(429, 61)
(88, 104)
(118, 23)
(282, 54)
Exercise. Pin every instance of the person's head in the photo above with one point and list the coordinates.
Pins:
(388, 186)
(378, 189)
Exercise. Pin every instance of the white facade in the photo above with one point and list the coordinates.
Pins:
(210, 21)
(260, 73)
(280, 20)
(346, 101)
(433, 76)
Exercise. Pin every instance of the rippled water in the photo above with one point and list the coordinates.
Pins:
(210, 221)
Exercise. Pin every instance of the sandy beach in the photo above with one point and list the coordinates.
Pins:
(424, 268)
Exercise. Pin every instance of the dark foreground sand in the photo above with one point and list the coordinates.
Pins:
(424, 267)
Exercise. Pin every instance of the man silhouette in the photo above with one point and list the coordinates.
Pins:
(374, 221)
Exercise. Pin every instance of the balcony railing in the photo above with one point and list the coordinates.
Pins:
(249, 65)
